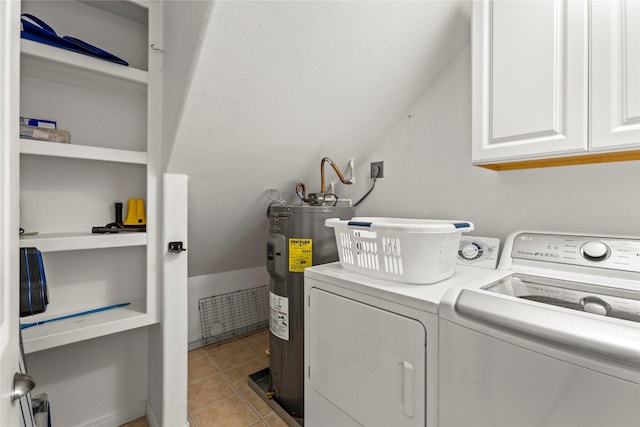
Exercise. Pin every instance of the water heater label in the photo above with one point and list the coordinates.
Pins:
(279, 319)
(300, 254)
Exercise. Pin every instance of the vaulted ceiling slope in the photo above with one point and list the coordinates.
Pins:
(278, 85)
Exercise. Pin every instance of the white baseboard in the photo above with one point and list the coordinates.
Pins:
(121, 417)
(151, 418)
(196, 343)
(153, 422)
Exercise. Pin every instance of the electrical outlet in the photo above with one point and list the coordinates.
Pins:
(377, 167)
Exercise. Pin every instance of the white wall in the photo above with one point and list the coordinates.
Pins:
(248, 130)
(183, 26)
(428, 174)
(279, 85)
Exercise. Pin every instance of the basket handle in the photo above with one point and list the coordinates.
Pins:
(369, 224)
(362, 223)
(359, 224)
(461, 224)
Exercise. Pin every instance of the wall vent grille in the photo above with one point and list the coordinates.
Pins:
(233, 314)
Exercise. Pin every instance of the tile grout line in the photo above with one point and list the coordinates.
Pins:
(257, 357)
(245, 343)
(230, 382)
(219, 372)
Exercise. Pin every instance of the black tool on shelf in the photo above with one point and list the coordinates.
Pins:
(117, 226)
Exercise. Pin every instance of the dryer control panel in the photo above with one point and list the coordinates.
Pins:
(479, 251)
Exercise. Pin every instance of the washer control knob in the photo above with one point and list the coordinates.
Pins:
(470, 251)
(595, 251)
(595, 305)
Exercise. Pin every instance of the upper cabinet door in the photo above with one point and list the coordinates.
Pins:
(615, 67)
(529, 79)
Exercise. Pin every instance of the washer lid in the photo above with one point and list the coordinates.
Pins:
(542, 308)
(589, 298)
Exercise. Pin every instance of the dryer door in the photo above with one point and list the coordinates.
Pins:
(368, 362)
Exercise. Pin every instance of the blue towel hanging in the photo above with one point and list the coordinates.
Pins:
(35, 29)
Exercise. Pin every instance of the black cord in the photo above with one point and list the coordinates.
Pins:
(334, 195)
(367, 193)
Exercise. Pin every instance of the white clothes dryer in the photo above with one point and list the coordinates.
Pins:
(371, 345)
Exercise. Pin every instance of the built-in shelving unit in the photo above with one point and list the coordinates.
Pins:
(98, 351)
(65, 189)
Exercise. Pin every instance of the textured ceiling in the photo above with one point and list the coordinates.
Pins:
(276, 86)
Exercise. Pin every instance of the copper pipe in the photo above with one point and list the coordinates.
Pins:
(335, 167)
(301, 191)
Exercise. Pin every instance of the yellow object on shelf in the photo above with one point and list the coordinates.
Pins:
(135, 213)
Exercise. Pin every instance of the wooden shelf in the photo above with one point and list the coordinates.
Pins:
(54, 149)
(74, 329)
(57, 242)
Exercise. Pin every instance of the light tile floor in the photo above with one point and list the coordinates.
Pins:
(218, 391)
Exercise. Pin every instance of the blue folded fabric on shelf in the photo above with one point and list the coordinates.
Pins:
(34, 294)
(36, 29)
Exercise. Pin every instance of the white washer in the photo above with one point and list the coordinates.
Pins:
(552, 338)
(371, 345)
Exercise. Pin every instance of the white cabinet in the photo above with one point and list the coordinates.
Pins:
(112, 114)
(545, 75)
(615, 75)
(529, 78)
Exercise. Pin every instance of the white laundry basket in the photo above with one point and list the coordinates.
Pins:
(418, 251)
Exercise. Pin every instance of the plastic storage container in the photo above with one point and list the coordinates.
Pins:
(418, 251)
(45, 134)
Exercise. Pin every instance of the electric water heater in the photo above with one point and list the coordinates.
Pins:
(297, 239)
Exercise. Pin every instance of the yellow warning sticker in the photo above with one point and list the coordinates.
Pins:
(300, 254)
